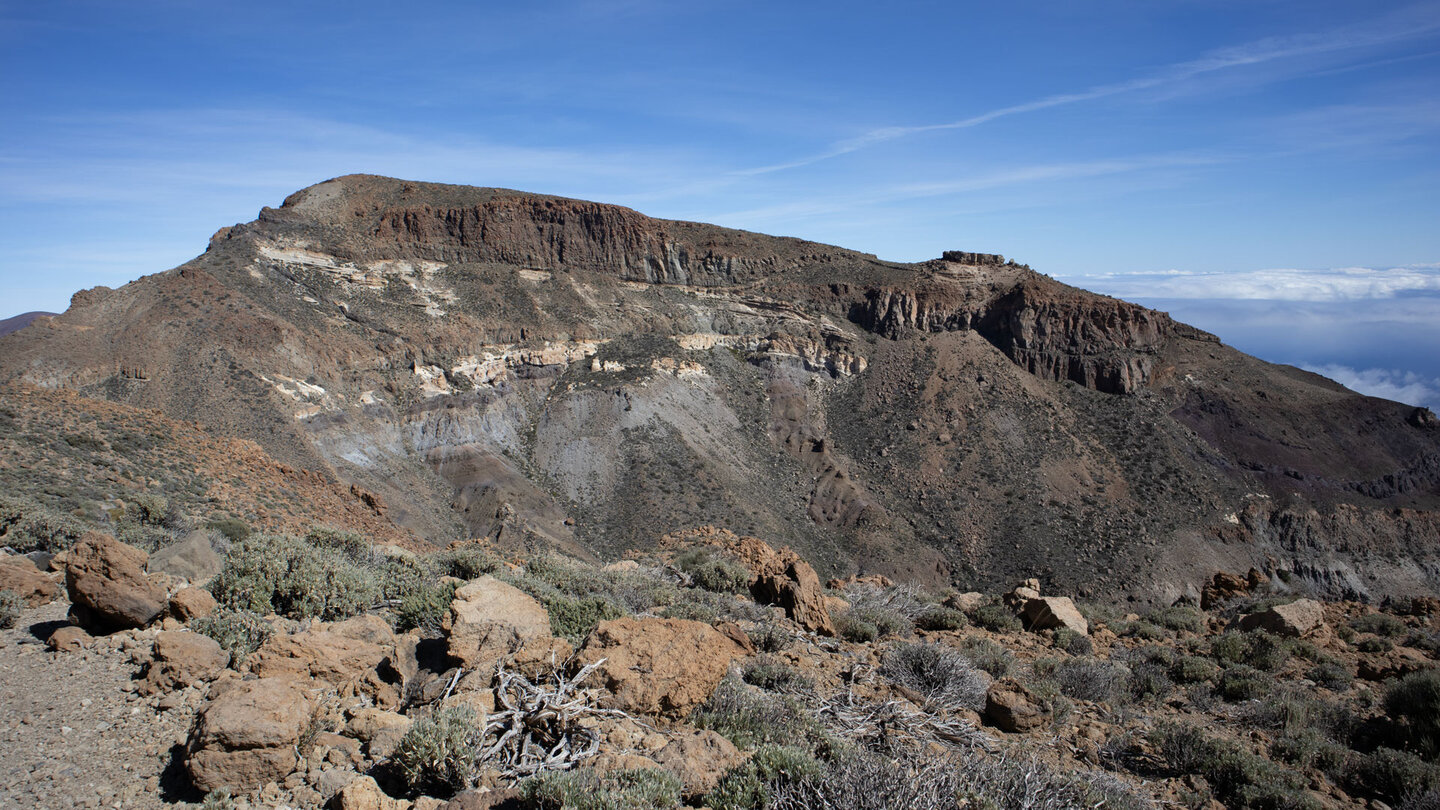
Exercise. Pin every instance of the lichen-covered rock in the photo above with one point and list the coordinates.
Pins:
(109, 589)
(488, 618)
(356, 656)
(698, 759)
(191, 603)
(182, 658)
(1303, 617)
(247, 734)
(20, 575)
(1010, 707)
(1050, 612)
(662, 667)
(69, 639)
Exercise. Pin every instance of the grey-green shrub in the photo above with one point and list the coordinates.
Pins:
(1239, 777)
(1193, 669)
(573, 619)
(775, 675)
(713, 570)
(937, 617)
(630, 789)
(989, 656)
(437, 755)
(1092, 679)
(751, 718)
(752, 784)
(25, 525)
(1073, 642)
(1414, 703)
(238, 632)
(1242, 682)
(266, 573)
(1180, 618)
(1380, 624)
(944, 677)
(11, 603)
(996, 619)
(425, 606)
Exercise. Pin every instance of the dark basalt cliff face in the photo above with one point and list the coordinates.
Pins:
(553, 372)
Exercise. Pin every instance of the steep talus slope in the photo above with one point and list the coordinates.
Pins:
(554, 372)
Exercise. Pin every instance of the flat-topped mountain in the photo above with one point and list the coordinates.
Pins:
(557, 373)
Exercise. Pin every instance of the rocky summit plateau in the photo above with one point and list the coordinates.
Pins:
(408, 496)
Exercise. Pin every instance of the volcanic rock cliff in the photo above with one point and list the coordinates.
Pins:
(552, 372)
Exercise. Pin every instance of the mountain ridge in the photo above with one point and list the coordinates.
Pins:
(561, 373)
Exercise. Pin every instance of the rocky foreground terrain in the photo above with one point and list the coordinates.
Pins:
(440, 363)
(231, 670)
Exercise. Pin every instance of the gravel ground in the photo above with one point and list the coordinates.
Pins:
(73, 731)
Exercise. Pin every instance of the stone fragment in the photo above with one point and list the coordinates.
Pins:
(20, 575)
(1221, 588)
(1010, 707)
(1022, 593)
(781, 577)
(364, 794)
(1049, 612)
(108, 587)
(182, 658)
(1298, 619)
(191, 603)
(489, 618)
(660, 667)
(69, 639)
(356, 656)
(192, 558)
(247, 735)
(966, 602)
(698, 759)
(378, 729)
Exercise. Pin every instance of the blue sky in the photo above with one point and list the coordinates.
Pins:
(1267, 170)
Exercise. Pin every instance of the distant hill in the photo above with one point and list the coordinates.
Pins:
(554, 373)
(19, 322)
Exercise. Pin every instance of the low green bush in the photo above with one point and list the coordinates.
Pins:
(1238, 777)
(267, 573)
(238, 632)
(1092, 679)
(573, 619)
(1332, 675)
(25, 525)
(996, 619)
(425, 606)
(751, 785)
(1374, 644)
(713, 570)
(1390, 775)
(751, 718)
(11, 603)
(437, 755)
(1193, 669)
(989, 656)
(1308, 749)
(1255, 648)
(942, 676)
(937, 617)
(1149, 681)
(774, 675)
(630, 789)
(1073, 642)
(1380, 624)
(770, 637)
(1413, 702)
(1180, 618)
(1242, 682)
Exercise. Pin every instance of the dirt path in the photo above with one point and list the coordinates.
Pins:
(73, 731)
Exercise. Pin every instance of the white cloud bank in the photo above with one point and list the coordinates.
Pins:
(1287, 284)
(1386, 383)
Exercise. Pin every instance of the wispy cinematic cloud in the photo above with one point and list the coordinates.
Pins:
(1386, 383)
(1342, 284)
(1410, 23)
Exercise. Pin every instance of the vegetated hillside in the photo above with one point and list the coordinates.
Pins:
(554, 373)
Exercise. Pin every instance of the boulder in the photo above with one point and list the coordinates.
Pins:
(1049, 612)
(966, 602)
(247, 735)
(662, 667)
(698, 759)
(1010, 707)
(182, 658)
(69, 639)
(192, 558)
(1298, 619)
(191, 603)
(378, 729)
(779, 577)
(1221, 588)
(364, 794)
(20, 575)
(1022, 593)
(489, 618)
(357, 656)
(108, 587)
(485, 800)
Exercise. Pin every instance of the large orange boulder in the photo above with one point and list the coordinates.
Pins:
(247, 735)
(356, 656)
(663, 667)
(777, 577)
(489, 618)
(109, 589)
(19, 575)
